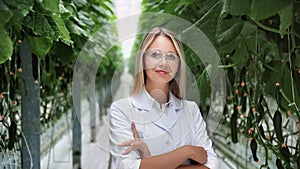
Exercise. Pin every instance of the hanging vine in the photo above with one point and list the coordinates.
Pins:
(259, 45)
(56, 31)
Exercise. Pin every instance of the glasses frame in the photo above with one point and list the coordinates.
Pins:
(164, 54)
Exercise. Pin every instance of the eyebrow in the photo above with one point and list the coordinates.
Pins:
(163, 50)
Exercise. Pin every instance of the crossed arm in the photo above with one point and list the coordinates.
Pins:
(175, 158)
(171, 160)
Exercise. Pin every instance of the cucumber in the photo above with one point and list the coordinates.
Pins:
(12, 130)
(253, 146)
(277, 121)
(243, 102)
(233, 125)
(279, 164)
(286, 155)
(261, 112)
(262, 131)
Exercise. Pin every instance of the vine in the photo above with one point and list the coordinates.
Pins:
(258, 42)
(56, 31)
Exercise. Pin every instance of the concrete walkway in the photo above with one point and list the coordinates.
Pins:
(94, 155)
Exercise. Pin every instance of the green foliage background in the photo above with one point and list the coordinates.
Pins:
(56, 31)
(259, 45)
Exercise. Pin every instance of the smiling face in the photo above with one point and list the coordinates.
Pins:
(156, 67)
(161, 61)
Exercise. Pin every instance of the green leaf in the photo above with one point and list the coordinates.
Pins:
(286, 17)
(51, 5)
(5, 14)
(262, 9)
(240, 56)
(6, 46)
(107, 7)
(64, 34)
(235, 7)
(207, 23)
(286, 86)
(237, 52)
(250, 43)
(64, 12)
(204, 85)
(65, 52)
(77, 30)
(80, 3)
(249, 29)
(40, 46)
(230, 33)
(41, 25)
(271, 76)
(85, 19)
(19, 8)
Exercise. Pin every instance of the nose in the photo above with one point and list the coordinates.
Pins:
(164, 60)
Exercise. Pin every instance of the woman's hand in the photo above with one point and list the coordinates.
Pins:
(198, 154)
(136, 144)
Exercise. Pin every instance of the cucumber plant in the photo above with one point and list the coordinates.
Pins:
(258, 42)
(56, 31)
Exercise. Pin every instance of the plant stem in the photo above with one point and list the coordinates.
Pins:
(264, 26)
(290, 103)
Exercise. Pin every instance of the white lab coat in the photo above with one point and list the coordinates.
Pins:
(163, 129)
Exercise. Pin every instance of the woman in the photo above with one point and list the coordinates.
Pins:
(155, 127)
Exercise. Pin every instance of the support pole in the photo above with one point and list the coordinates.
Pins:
(76, 118)
(92, 106)
(30, 110)
(76, 147)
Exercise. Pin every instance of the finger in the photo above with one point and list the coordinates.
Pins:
(135, 133)
(201, 156)
(200, 159)
(133, 146)
(126, 143)
(130, 148)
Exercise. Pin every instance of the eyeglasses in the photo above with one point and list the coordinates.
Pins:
(157, 55)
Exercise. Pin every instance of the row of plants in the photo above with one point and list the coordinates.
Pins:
(56, 32)
(258, 42)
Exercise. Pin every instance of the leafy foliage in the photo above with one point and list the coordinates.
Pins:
(259, 43)
(56, 31)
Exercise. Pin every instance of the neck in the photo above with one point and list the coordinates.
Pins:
(160, 92)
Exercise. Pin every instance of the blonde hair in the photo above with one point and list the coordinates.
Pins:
(177, 84)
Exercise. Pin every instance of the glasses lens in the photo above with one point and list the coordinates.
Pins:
(170, 57)
(157, 55)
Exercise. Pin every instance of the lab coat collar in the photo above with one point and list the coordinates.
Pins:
(144, 101)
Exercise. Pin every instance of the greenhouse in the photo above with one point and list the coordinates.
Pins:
(117, 84)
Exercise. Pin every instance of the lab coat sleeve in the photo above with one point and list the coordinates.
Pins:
(203, 140)
(120, 131)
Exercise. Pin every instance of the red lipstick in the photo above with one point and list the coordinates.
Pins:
(162, 72)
